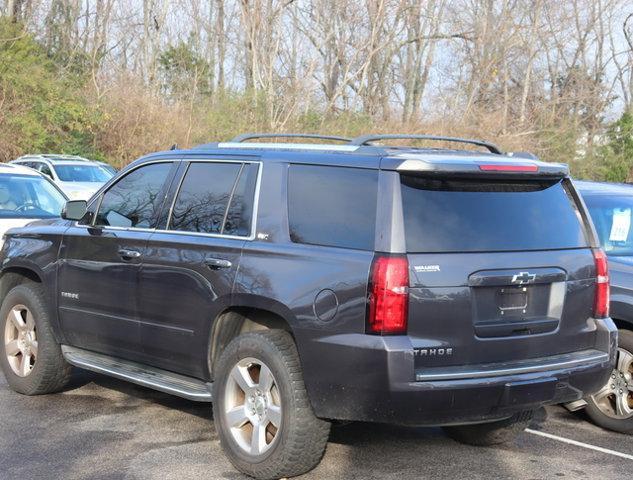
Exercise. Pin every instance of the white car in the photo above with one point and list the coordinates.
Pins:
(78, 177)
(26, 195)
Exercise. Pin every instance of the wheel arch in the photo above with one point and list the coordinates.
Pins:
(13, 276)
(242, 318)
(621, 308)
(623, 324)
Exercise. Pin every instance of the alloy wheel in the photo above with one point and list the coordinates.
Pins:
(252, 406)
(20, 340)
(615, 399)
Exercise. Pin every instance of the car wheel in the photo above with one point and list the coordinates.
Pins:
(30, 357)
(261, 409)
(493, 433)
(612, 406)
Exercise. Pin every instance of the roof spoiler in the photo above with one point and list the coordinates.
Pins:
(477, 166)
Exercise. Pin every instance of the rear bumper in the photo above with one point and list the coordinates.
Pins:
(367, 378)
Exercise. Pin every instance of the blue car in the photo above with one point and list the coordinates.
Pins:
(611, 209)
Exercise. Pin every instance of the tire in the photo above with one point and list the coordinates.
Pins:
(602, 410)
(493, 433)
(46, 370)
(297, 443)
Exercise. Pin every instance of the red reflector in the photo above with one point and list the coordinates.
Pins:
(388, 295)
(601, 301)
(508, 168)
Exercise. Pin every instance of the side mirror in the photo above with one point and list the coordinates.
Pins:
(75, 210)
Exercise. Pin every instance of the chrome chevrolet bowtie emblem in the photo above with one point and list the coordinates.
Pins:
(523, 278)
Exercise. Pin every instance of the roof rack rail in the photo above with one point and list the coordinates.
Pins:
(366, 139)
(249, 136)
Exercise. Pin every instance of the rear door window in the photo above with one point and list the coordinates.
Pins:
(216, 198)
(449, 215)
(333, 206)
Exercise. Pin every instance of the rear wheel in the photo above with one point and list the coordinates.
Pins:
(30, 357)
(493, 433)
(612, 406)
(261, 410)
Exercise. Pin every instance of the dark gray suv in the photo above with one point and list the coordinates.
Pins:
(294, 284)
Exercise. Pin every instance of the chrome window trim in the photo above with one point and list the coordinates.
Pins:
(251, 237)
(106, 227)
(99, 198)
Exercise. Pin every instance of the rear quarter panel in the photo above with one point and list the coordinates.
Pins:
(286, 278)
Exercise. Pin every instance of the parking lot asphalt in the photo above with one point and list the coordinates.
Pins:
(102, 428)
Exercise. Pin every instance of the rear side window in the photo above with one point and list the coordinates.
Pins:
(443, 215)
(611, 215)
(42, 167)
(215, 198)
(136, 199)
(333, 206)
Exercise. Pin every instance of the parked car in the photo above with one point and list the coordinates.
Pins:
(25, 196)
(610, 206)
(78, 177)
(295, 284)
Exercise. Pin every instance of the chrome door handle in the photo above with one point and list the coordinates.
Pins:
(125, 253)
(217, 263)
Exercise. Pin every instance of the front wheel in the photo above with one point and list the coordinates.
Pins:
(493, 433)
(261, 409)
(612, 406)
(30, 357)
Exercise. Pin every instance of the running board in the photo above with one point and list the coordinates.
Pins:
(575, 405)
(162, 380)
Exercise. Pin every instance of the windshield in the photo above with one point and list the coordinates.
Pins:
(83, 173)
(27, 196)
(611, 216)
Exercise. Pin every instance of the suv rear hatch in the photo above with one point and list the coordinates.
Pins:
(500, 269)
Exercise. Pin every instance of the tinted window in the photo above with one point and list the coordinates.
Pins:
(333, 206)
(201, 205)
(135, 200)
(29, 196)
(611, 216)
(240, 213)
(471, 215)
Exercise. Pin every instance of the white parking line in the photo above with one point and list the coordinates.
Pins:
(579, 444)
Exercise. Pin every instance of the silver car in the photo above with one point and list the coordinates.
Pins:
(78, 177)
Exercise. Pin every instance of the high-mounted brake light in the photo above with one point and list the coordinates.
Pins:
(601, 300)
(388, 306)
(495, 167)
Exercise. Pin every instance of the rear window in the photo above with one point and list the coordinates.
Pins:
(447, 215)
(333, 206)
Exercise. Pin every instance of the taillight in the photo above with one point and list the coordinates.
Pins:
(388, 295)
(601, 301)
